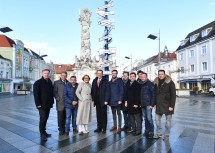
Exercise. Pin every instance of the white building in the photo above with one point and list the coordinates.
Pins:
(5, 75)
(196, 58)
(26, 66)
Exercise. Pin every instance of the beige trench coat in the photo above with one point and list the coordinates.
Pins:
(83, 93)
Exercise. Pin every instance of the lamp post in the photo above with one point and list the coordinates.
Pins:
(127, 57)
(153, 37)
(5, 29)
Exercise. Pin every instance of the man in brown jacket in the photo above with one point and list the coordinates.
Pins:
(165, 102)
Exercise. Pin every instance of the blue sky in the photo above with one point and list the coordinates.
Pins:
(51, 26)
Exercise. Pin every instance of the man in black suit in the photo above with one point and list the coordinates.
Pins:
(100, 96)
(44, 100)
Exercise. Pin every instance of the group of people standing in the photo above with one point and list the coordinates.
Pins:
(134, 98)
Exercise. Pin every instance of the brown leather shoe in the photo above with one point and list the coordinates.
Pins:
(113, 128)
(119, 130)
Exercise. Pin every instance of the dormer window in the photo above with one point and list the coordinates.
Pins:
(193, 37)
(205, 32)
(183, 42)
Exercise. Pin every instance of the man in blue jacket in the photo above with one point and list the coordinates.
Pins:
(116, 97)
(147, 104)
(71, 104)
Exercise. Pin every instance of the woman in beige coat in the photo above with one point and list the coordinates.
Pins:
(83, 93)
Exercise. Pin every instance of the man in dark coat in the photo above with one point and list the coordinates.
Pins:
(44, 100)
(132, 101)
(147, 97)
(127, 121)
(165, 101)
(71, 104)
(100, 95)
(116, 97)
(58, 93)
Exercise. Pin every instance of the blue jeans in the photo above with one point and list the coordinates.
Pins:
(147, 114)
(71, 113)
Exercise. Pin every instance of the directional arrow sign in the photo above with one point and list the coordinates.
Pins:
(103, 13)
(109, 21)
(105, 37)
(107, 25)
(109, 51)
(106, 6)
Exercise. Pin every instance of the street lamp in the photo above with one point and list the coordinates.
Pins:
(5, 29)
(153, 37)
(43, 55)
(127, 57)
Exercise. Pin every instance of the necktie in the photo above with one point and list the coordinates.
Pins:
(98, 82)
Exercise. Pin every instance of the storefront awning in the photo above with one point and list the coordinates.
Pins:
(194, 80)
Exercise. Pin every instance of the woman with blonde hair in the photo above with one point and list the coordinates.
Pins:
(83, 93)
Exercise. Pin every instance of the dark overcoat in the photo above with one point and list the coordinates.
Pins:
(165, 96)
(133, 98)
(43, 93)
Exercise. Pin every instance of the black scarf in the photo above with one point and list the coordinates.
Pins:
(160, 82)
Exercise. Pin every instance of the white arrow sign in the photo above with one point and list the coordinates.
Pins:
(109, 21)
(105, 37)
(109, 51)
(103, 13)
(106, 6)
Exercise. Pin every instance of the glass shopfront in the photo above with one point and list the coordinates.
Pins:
(4, 86)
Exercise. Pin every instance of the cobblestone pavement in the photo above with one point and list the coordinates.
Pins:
(193, 131)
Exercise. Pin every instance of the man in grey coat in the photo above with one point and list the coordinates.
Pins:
(58, 93)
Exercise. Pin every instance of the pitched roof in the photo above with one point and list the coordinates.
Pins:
(154, 59)
(199, 38)
(59, 68)
(6, 41)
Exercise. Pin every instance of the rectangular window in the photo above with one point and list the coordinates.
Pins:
(182, 69)
(204, 50)
(204, 33)
(204, 66)
(192, 38)
(181, 56)
(192, 68)
(191, 53)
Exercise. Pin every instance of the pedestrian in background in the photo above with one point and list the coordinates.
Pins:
(83, 93)
(116, 97)
(71, 104)
(147, 104)
(165, 102)
(132, 102)
(44, 100)
(100, 95)
(58, 94)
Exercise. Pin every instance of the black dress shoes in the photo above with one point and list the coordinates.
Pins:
(97, 130)
(43, 137)
(48, 135)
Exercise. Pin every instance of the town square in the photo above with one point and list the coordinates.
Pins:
(107, 76)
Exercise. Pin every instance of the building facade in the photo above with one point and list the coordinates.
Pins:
(196, 58)
(26, 65)
(5, 74)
